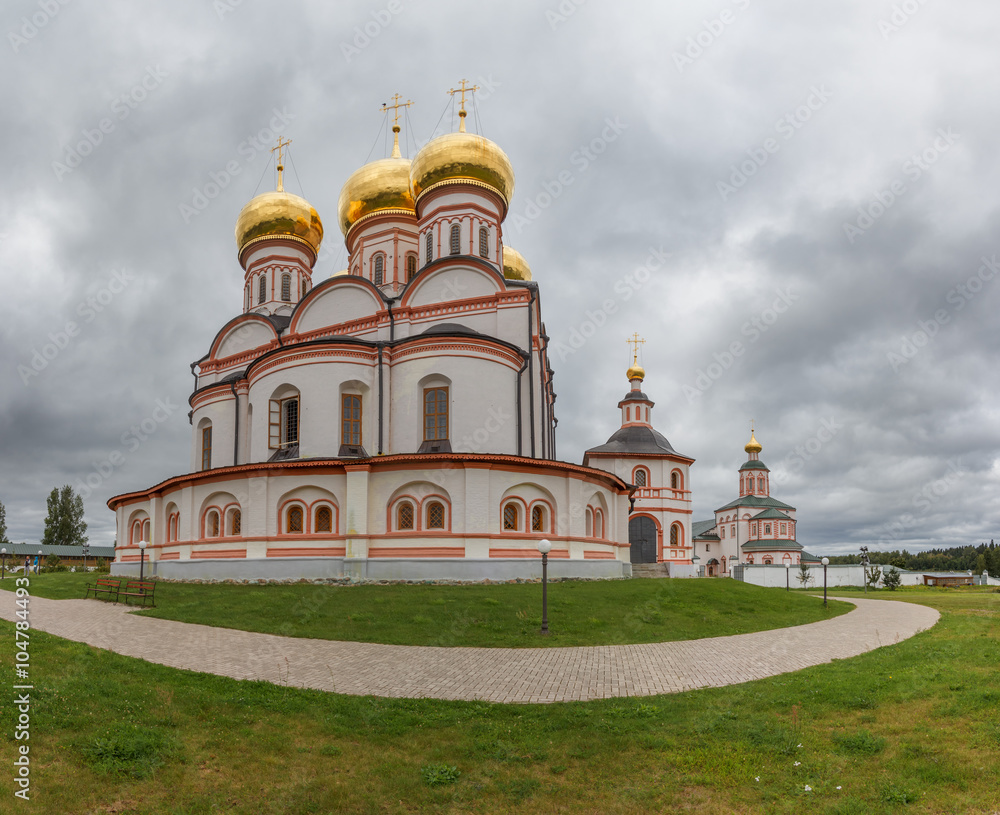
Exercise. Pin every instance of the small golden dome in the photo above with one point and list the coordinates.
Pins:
(279, 214)
(636, 372)
(379, 185)
(341, 273)
(462, 156)
(753, 446)
(515, 267)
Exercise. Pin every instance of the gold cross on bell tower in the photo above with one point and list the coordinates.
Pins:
(461, 110)
(635, 342)
(394, 107)
(281, 166)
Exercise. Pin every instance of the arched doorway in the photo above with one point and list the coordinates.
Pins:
(642, 535)
(713, 568)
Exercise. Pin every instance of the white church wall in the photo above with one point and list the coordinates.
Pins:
(341, 301)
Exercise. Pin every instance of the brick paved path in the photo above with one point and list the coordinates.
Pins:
(490, 674)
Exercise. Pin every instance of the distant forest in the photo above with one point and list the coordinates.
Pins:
(985, 557)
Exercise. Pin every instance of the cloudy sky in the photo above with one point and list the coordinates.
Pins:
(797, 205)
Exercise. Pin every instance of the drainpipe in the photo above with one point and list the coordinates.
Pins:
(380, 397)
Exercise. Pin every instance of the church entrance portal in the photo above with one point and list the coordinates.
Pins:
(642, 537)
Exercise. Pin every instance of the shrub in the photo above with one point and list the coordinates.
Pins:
(53, 564)
(102, 566)
(890, 579)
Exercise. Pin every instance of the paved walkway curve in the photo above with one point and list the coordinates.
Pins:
(489, 674)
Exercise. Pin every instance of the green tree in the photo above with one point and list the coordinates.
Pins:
(891, 579)
(3, 524)
(804, 576)
(64, 524)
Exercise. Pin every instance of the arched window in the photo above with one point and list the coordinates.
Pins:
(379, 275)
(235, 522)
(768, 560)
(722, 532)
(262, 289)
(286, 287)
(246, 297)
(212, 525)
(537, 519)
(510, 517)
(435, 414)
(206, 448)
(767, 529)
(456, 239)
(429, 248)
(283, 421)
(760, 484)
(639, 477)
(293, 520)
(350, 427)
(435, 515)
(590, 522)
(145, 532)
(411, 267)
(303, 288)
(675, 481)
(484, 242)
(404, 515)
(598, 524)
(324, 520)
(750, 485)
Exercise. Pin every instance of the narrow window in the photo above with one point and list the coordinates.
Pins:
(590, 522)
(294, 518)
(435, 414)
(598, 524)
(767, 529)
(411, 267)
(289, 421)
(206, 448)
(628, 414)
(235, 522)
(537, 519)
(484, 242)
(262, 289)
(510, 517)
(145, 532)
(435, 515)
(213, 524)
(784, 529)
(246, 297)
(404, 516)
(760, 485)
(753, 529)
(324, 519)
(675, 482)
(351, 420)
(675, 536)
(303, 288)
(722, 532)
(429, 243)
(379, 275)
(640, 478)
(286, 287)
(732, 531)
(456, 239)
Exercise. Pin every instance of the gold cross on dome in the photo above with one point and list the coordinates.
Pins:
(281, 166)
(395, 106)
(751, 427)
(636, 342)
(461, 110)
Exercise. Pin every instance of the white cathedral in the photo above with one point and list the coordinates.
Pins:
(396, 421)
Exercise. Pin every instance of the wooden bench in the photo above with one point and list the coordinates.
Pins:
(104, 585)
(142, 589)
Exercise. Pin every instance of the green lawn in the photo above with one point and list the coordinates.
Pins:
(500, 615)
(908, 728)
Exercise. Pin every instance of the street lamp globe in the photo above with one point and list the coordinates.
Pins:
(825, 561)
(544, 546)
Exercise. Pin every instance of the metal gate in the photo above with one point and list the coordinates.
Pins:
(642, 537)
(737, 571)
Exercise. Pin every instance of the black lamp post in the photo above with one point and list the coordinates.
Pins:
(826, 562)
(3, 568)
(865, 561)
(788, 568)
(545, 546)
(142, 554)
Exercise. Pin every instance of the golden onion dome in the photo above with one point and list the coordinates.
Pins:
(341, 273)
(636, 372)
(753, 446)
(515, 267)
(379, 186)
(462, 156)
(279, 214)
